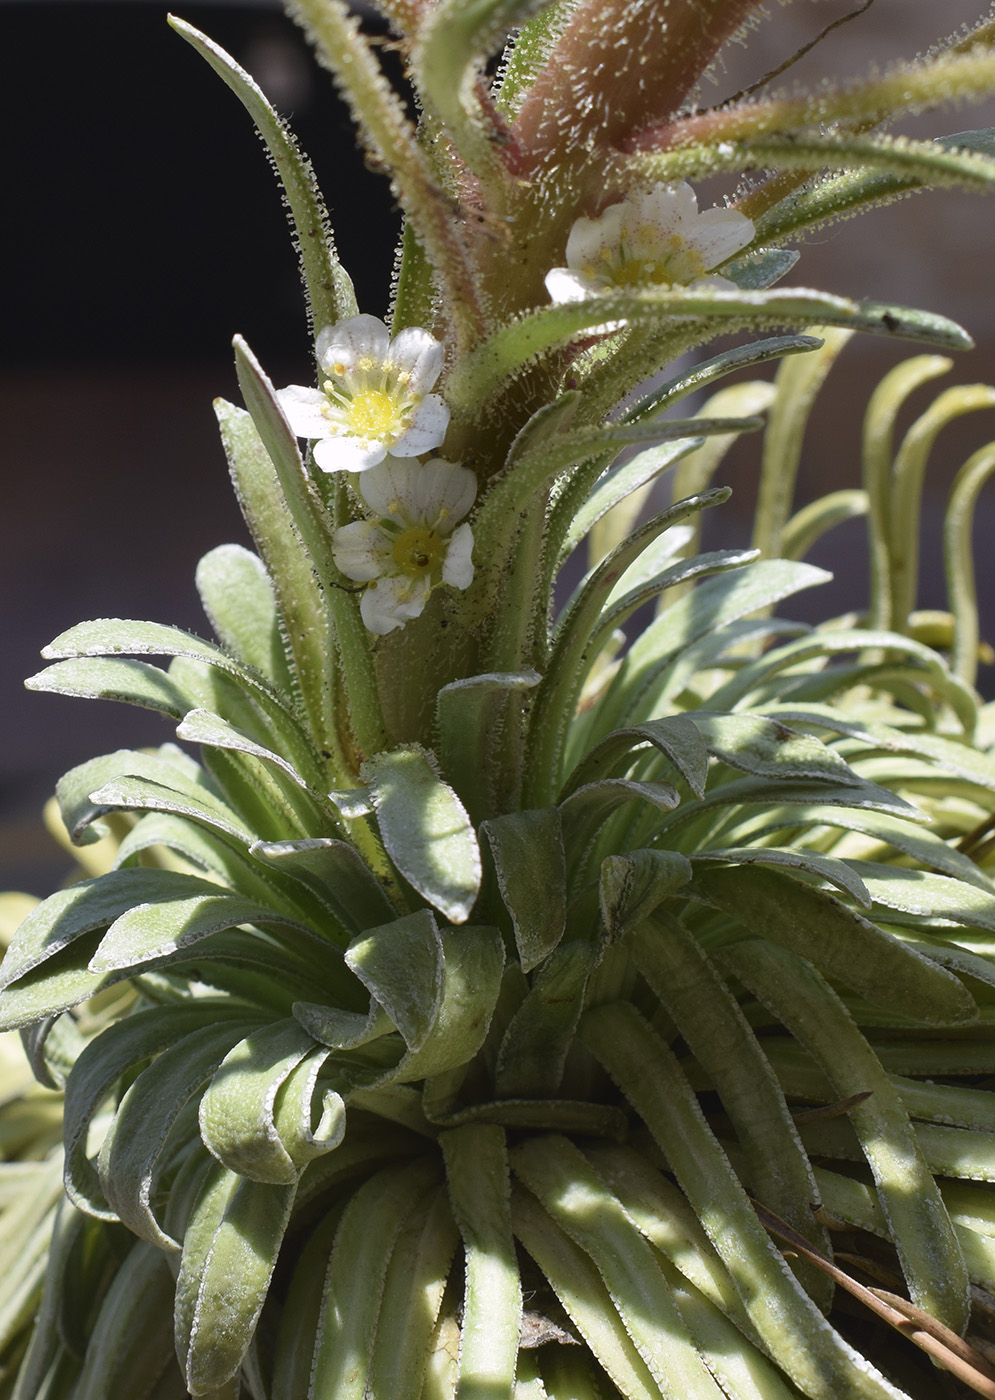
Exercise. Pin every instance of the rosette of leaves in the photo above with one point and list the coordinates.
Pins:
(506, 994)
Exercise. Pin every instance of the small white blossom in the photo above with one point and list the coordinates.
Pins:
(374, 396)
(654, 237)
(415, 542)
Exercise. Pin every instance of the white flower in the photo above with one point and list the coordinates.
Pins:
(374, 396)
(414, 544)
(655, 237)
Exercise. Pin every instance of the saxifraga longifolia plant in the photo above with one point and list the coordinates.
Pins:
(501, 1005)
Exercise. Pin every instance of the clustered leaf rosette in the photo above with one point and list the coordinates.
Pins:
(414, 543)
(654, 237)
(374, 398)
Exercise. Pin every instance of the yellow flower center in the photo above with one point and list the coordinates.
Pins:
(372, 413)
(418, 551)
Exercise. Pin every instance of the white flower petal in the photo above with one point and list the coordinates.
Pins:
(360, 337)
(720, 233)
(390, 489)
(347, 454)
(445, 491)
(392, 602)
(361, 550)
(589, 238)
(564, 285)
(426, 428)
(458, 568)
(418, 354)
(302, 410)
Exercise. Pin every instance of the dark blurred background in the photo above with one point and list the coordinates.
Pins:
(142, 229)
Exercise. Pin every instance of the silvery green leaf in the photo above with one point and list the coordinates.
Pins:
(131, 1344)
(766, 748)
(90, 905)
(168, 765)
(711, 606)
(587, 808)
(114, 678)
(473, 964)
(468, 713)
(236, 1112)
(530, 867)
(235, 1232)
(104, 1061)
(677, 737)
(357, 1269)
(557, 1173)
(334, 871)
(401, 965)
(621, 481)
(840, 942)
(632, 885)
(128, 1163)
(203, 727)
(329, 290)
(150, 932)
(933, 900)
(534, 1048)
(845, 875)
(425, 829)
(478, 1183)
(237, 595)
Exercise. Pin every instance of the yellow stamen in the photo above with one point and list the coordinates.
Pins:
(372, 413)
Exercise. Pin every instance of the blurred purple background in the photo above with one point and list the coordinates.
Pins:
(143, 229)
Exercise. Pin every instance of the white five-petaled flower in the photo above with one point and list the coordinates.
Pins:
(654, 237)
(415, 542)
(374, 396)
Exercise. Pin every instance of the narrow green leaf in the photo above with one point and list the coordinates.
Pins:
(709, 1018)
(839, 941)
(469, 714)
(765, 748)
(530, 866)
(401, 964)
(633, 885)
(845, 876)
(792, 1329)
(235, 1234)
(577, 1200)
(239, 599)
(131, 1345)
(478, 1182)
(425, 829)
(534, 1048)
(129, 1157)
(919, 1225)
(236, 1108)
(508, 350)
(586, 1300)
(336, 872)
(148, 932)
(354, 1283)
(678, 738)
(106, 1059)
(114, 678)
(330, 293)
(92, 904)
(635, 692)
(416, 1281)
